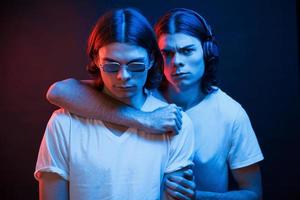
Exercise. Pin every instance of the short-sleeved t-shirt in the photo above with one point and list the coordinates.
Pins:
(101, 165)
(224, 139)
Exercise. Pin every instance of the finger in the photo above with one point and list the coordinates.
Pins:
(172, 129)
(179, 188)
(172, 106)
(182, 181)
(175, 129)
(180, 108)
(178, 118)
(179, 114)
(176, 195)
(178, 124)
(188, 174)
(176, 121)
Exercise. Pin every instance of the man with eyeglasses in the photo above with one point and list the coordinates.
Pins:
(87, 159)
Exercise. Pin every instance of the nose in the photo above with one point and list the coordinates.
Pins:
(177, 59)
(123, 74)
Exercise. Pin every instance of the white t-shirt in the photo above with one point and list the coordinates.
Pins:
(100, 165)
(224, 139)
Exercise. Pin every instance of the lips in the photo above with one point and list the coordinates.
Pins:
(125, 87)
(179, 75)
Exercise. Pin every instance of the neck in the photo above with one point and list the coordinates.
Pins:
(185, 98)
(135, 101)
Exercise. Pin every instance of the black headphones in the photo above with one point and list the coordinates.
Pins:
(210, 47)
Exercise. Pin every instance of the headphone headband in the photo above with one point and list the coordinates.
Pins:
(211, 50)
(199, 17)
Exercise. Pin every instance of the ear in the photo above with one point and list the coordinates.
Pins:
(151, 62)
(96, 60)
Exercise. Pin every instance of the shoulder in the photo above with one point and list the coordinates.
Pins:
(186, 122)
(235, 115)
(60, 113)
(225, 100)
(226, 105)
(59, 125)
(63, 116)
(156, 98)
(186, 133)
(152, 103)
(60, 116)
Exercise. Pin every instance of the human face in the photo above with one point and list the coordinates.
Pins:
(123, 84)
(183, 60)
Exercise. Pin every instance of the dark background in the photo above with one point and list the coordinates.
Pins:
(43, 42)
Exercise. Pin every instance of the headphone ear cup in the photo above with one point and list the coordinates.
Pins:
(211, 51)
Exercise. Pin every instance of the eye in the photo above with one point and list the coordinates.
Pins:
(187, 51)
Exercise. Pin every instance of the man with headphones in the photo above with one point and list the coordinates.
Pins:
(224, 138)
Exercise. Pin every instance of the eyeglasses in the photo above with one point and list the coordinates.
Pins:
(114, 67)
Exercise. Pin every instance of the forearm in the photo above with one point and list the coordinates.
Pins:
(231, 195)
(84, 100)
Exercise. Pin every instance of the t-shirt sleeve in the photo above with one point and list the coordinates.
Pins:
(244, 149)
(53, 154)
(181, 150)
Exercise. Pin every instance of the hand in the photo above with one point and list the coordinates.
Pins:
(181, 187)
(166, 119)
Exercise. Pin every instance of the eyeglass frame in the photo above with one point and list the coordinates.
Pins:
(127, 65)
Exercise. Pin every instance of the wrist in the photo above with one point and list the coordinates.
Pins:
(133, 117)
(143, 120)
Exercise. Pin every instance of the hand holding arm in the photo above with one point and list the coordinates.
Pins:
(180, 185)
(166, 119)
(82, 98)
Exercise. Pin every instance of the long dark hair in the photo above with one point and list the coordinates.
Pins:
(181, 20)
(128, 26)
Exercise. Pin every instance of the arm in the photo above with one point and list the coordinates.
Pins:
(178, 181)
(52, 167)
(248, 179)
(249, 183)
(82, 98)
(53, 187)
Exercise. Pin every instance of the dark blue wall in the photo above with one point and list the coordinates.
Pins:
(44, 42)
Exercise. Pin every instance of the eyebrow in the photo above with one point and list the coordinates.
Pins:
(184, 47)
(187, 46)
(139, 59)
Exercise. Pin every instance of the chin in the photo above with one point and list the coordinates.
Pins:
(123, 95)
(180, 83)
